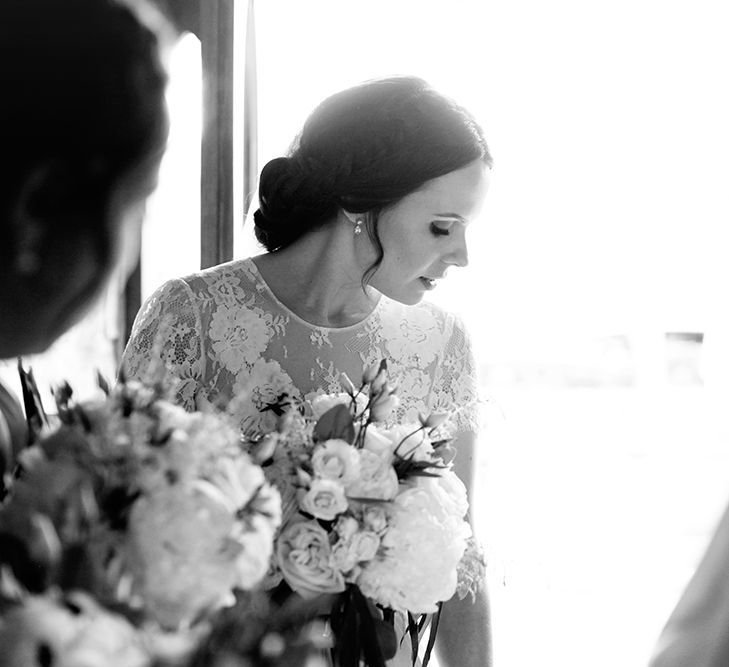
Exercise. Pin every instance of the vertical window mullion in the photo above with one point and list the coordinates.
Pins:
(217, 212)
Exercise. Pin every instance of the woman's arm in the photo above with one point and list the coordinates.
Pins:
(166, 343)
(464, 633)
(697, 633)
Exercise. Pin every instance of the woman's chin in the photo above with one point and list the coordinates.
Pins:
(407, 298)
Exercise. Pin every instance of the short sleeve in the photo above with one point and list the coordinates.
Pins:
(166, 344)
(456, 383)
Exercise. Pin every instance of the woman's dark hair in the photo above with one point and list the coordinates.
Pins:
(83, 87)
(362, 150)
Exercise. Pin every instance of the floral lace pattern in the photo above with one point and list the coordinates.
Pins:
(223, 335)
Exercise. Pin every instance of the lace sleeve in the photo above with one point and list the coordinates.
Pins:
(166, 342)
(456, 383)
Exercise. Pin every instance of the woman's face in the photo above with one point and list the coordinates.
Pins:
(424, 234)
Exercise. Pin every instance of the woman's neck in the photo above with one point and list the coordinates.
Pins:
(319, 277)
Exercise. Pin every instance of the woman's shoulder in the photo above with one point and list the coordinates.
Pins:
(238, 272)
(227, 280)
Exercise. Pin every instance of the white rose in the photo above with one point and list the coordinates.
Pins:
(360, 547)
(374, 518)
(346, 527)
(344, 557)
(304, 556)
(324, 500)
(365, 544)
(337, 460)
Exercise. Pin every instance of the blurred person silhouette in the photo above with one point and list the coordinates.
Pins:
(83, 126)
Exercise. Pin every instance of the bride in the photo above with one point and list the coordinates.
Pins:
(366, 214)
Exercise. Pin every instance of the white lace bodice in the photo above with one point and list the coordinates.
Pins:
(222, 332)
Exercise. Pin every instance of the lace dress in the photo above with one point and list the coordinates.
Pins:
(222, 333)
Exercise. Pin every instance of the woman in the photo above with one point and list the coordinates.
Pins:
(364, 216)
(83, 125)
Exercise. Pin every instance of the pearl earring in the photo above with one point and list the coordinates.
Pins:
(356, 221)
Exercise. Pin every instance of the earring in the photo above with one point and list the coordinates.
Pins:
(357, 222)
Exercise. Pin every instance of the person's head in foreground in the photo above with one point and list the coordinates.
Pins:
(83, 125)
(393, 166)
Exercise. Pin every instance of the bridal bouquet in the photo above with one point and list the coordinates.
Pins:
(373, 516)
(130, 535)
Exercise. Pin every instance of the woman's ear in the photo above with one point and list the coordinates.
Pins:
(57, 248)
(59, 217)
(27, 230)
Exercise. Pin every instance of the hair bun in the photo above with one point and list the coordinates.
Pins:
(292, 199)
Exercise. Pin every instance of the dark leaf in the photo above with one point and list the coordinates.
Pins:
(408, 467)
(335, 423)
(103, 383)
(413, 631)
(431, 635)
(77, 570)
(386, 636)
(347, 649)
(35, 576)
(34, 412)
(371, 647)
(117, 504)
(279, 406)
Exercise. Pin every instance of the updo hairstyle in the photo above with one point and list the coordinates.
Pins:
(362, 150)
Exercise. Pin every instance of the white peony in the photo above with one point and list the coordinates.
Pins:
(190, 545)
(70, 632)
(181, 554)
(417, 565)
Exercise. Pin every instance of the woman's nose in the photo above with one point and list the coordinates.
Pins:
(458, 255)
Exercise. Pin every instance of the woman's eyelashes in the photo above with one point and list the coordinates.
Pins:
(440, 228)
